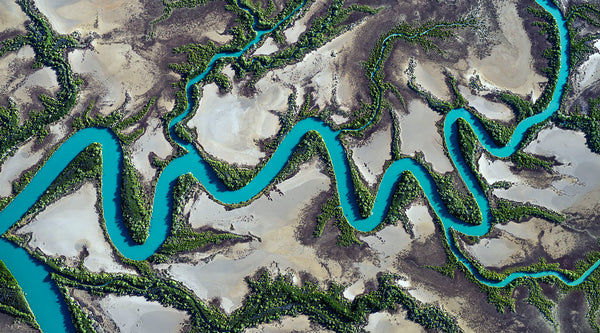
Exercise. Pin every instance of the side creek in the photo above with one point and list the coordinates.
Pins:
(42, 294)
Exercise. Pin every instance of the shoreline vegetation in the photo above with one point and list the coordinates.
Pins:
(273, 297)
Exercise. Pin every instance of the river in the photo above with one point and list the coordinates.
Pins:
(42, 294)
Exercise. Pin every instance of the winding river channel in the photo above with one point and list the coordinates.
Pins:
(43, 296)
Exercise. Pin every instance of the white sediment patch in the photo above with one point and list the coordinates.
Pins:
(300, 323)
(430, 75)
(495, 252)
(11, 16)
(321, 70)
(228, 126)
(68, 226)
(423, 294)
(44, 78)
(578, 170)
(268, 47)
(527, 231)
(66, 16)
(517, 242)
(496, 170)
(153, 140)
(10, 77)
(25, 157)
(510, 63)
(14, 166)
(389, 241)
(17, 79)
(354, 290)
(421, 220)
(272, 220)
(117, 69)
(419, 133)
(488, 109)
(588, 72)
(371, 155)
(136, 314)
(293, 33)
(384, 322)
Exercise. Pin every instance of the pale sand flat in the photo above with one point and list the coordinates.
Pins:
(488, 109)
(510, 64)
(384, 322)
(320, 69)
(65, 227)
(228, 126)
(578, 170)
(11, 16)
(588, 73)
(299, 324)
(272, 221)
(419, 133)
(101, 16)
(268, 47)
(431, 77)
(153, 140)
(369, 155)
(136, 314)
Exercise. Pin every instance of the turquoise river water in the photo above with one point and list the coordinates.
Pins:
(42, 294)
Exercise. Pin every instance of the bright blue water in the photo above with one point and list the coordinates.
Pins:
(33, 277)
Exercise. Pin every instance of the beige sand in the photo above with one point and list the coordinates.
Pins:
(490, 110)
(136, 314)
(338, 119)
(229, 125)
(510, 64)
(419, 133)
(22, 83)
(588, 72)
(153, 140)
(322, 70)
(293, 33)
(14, 166)
(11, 74)
(65, 227)
(300, 324)
(24, 95)
(370, 154)
(388, 242)
(518, 241)
(578, 170)
(11, 16)
(100, 16)
(496, 170)
(496, 252)
(354, 290)
(430, 75)
(25, 157)
(275, 222)
(117, 69)
(268, 47)
(527, 231)
(420, 217)
(384, 322)
(424, 294)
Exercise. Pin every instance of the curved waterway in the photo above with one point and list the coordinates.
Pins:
(43, 296)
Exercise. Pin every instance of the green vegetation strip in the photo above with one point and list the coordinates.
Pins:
(12, 299)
